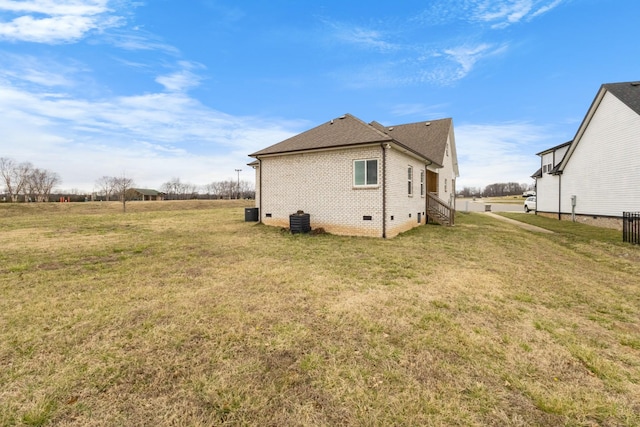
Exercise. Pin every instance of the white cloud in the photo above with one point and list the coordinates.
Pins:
(503, 152)
(151, 137)
(29, 69)
(55, 7)
(419, 111)
(367, 38)
(181, 80)
(503, 13)
(361, 37)
(449, 65)
(498, 14)
(546, 8)
(51, 22)
(467, 56)
(138, 39)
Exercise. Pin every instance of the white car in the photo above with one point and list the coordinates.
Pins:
(530, 204)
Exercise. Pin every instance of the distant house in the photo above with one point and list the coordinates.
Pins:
(354, 178)
(596, 176)
(146, 194)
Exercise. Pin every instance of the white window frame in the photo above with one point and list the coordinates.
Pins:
(410, 180)
(366, 163)
(422, 182)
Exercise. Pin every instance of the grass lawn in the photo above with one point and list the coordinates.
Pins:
(181, 313)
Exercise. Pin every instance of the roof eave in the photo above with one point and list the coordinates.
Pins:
(258, 155)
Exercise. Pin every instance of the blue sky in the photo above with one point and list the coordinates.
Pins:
(160, 89)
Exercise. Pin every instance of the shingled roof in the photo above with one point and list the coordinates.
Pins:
(147, 191)
(628, 92)
(344, 131)
(426, 139)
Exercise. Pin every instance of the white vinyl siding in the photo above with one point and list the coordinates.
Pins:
(604, 170)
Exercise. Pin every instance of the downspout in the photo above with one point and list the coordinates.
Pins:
(384, 146)
(559, 197)
(260, 190)
(426, 192)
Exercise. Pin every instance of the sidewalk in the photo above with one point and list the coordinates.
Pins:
(519, 224)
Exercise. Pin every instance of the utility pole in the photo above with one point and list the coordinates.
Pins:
(238, 187)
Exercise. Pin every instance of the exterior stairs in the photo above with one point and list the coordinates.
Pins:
(439, 211)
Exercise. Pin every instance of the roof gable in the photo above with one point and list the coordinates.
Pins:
(557, 147)
(627, 92)
(344, 131)
(428, 139)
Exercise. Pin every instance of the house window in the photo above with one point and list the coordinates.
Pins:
(446, 149)
(365, 172)
(445, 185)
(422, 183)
(410, 180)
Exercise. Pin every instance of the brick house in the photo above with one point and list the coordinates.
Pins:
(360, 179)
(594, 177)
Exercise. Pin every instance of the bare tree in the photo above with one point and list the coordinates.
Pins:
(218, 190)
(122, 187)
(178, 190)
(7, 167)
(171, 188)
(229, 189)
(246, 190)
(208, 190)
(470, 191)
(503, 189)
(15, 176)
(105, 186)
(39, 184)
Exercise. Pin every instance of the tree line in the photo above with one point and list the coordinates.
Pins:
(24, 182)
(23, 179)
(496, 190)
(109, 188)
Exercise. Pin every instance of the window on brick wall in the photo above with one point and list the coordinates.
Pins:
(422, 183)
(410, 180)
(365, 172)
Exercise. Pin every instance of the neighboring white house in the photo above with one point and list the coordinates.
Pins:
(360, 179)
(596, 177)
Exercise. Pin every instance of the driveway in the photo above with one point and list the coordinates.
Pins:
(469, 205)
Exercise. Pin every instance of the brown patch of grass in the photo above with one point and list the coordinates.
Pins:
(182, 313)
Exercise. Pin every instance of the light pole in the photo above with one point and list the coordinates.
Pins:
(238, 187)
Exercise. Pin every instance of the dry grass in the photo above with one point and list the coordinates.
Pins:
(184, 314)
